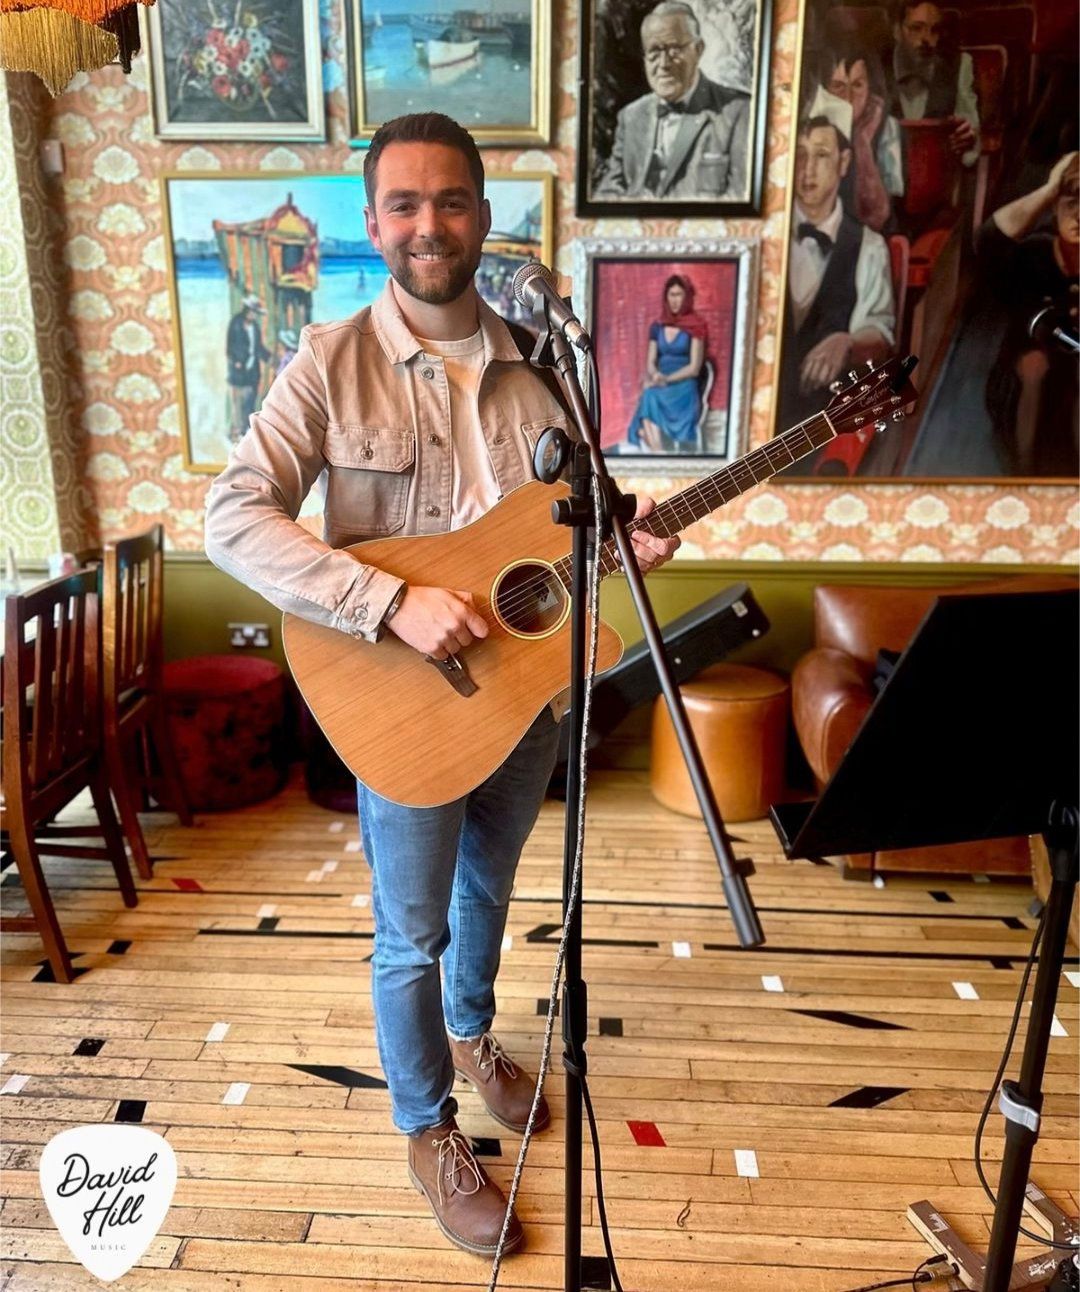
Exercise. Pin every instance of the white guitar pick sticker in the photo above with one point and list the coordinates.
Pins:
(108, 1188)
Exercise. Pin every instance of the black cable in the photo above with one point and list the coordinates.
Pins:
(599, 1172)
(1037, 1238)
(923, 1274)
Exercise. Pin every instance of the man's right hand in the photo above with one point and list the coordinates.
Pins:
(437, 621)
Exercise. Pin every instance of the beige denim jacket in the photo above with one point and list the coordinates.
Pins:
(361, 401)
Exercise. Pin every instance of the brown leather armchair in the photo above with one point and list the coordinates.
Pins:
(831, 693)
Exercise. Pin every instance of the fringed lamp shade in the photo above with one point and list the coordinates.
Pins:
(57, 38)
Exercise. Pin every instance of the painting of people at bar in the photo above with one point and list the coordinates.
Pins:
(488, 67)
(934, 211)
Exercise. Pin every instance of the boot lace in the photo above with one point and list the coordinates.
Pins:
(490, 1052)
(456, 1155)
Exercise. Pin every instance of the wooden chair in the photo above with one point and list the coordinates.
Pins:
(136, 731)
(52, 746)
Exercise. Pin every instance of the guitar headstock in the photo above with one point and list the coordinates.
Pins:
(874, 396)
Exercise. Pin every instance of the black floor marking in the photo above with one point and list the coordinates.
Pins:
(487, 1147)
(595, 1273)
(260, 932)
(130, 1110)
(611, 1027)
(268, 923)
(542, 1008)
(869, 1096)
(851, 1020)
(995, 962)
(119, 947)
(776, 910)
(45, 973)
(340, 1076)
(1013, 922)
(544, 933)
(8, 859)
(89, 1045)
(939, 895)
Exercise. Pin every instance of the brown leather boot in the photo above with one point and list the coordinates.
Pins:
(506, 1089)
(468, 1207)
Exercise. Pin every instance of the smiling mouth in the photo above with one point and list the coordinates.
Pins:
(430, 257)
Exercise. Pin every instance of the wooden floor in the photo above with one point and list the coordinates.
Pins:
(799, 1096)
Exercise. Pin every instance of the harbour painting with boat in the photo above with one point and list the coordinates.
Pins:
(481, 66)
(293, 249)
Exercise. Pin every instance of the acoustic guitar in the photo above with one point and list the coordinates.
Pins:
(424, 733)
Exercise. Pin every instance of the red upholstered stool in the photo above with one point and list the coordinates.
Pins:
(739, 716)
(227, 715)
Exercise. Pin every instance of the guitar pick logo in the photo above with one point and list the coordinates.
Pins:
(108, 1189)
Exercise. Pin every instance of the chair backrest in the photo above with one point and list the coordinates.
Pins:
(930, 165)
(51, 684)
(1011, 25)
(132, 614)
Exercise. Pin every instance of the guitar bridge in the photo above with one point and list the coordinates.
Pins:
(455, 672)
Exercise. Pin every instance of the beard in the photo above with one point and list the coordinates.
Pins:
(433, 289)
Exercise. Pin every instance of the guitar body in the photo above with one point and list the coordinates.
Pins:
(393, 717)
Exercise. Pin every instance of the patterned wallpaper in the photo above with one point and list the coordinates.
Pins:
(126, 399)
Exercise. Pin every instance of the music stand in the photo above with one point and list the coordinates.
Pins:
(974, 736)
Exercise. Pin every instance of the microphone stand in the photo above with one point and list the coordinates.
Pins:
(589, 533)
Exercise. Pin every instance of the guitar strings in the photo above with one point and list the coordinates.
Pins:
(519, 601)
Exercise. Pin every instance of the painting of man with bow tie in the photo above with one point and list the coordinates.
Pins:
(686, 143)
(839, 310)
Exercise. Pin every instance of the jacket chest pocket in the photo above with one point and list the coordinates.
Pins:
(371, 471)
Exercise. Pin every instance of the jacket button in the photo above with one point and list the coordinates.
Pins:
(427, 373)
(433, 439)
(367, 452)
(432, 511)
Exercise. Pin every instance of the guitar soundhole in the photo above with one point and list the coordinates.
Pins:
(529, 600)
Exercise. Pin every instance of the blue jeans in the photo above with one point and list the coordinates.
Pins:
(440, 887)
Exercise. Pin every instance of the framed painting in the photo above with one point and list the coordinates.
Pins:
(673, 102)
(671, 323)
(249, 71)
(489, 67)
(266, 253)
(935, 210)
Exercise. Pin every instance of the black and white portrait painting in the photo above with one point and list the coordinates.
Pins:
(673, 106)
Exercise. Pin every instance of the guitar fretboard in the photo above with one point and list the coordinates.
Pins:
(704, 496)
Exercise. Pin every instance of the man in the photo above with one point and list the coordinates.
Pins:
(421, 408)
(686, 139)
(839, 308)
(244, 353)
(931, 79)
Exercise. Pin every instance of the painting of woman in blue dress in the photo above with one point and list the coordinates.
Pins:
(668, 414)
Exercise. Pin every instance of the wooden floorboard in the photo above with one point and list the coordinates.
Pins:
(303, 1185)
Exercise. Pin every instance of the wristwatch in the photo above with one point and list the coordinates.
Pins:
(391, 611)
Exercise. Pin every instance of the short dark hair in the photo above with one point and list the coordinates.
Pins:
(821, 122)
(422, 128)
(901, 7)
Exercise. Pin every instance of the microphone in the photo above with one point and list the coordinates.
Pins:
(1045, 327)
(534, 280)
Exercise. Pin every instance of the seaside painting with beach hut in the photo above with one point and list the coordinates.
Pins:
(298, 244)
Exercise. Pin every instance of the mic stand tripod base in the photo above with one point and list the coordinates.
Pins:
(1035, 1272)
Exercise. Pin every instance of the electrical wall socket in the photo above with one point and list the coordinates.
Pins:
(249, 636)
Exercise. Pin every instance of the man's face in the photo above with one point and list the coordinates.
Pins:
(819, 168)
(428, 223)
(1067, 214)
(920, 30)
(851, 83)
(672, 54)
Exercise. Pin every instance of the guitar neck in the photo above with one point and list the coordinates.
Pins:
(678, 513)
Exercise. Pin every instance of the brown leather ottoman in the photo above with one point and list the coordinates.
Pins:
(739, 717)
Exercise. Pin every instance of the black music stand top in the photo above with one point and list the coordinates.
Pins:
(973, 736)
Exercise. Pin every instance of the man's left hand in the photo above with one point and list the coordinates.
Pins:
(962, 138)
(650, 549)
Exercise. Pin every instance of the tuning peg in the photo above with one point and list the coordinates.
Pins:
(869, 365)
(880, 425)
(836, 387)
(853, 375)
(898, 416)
